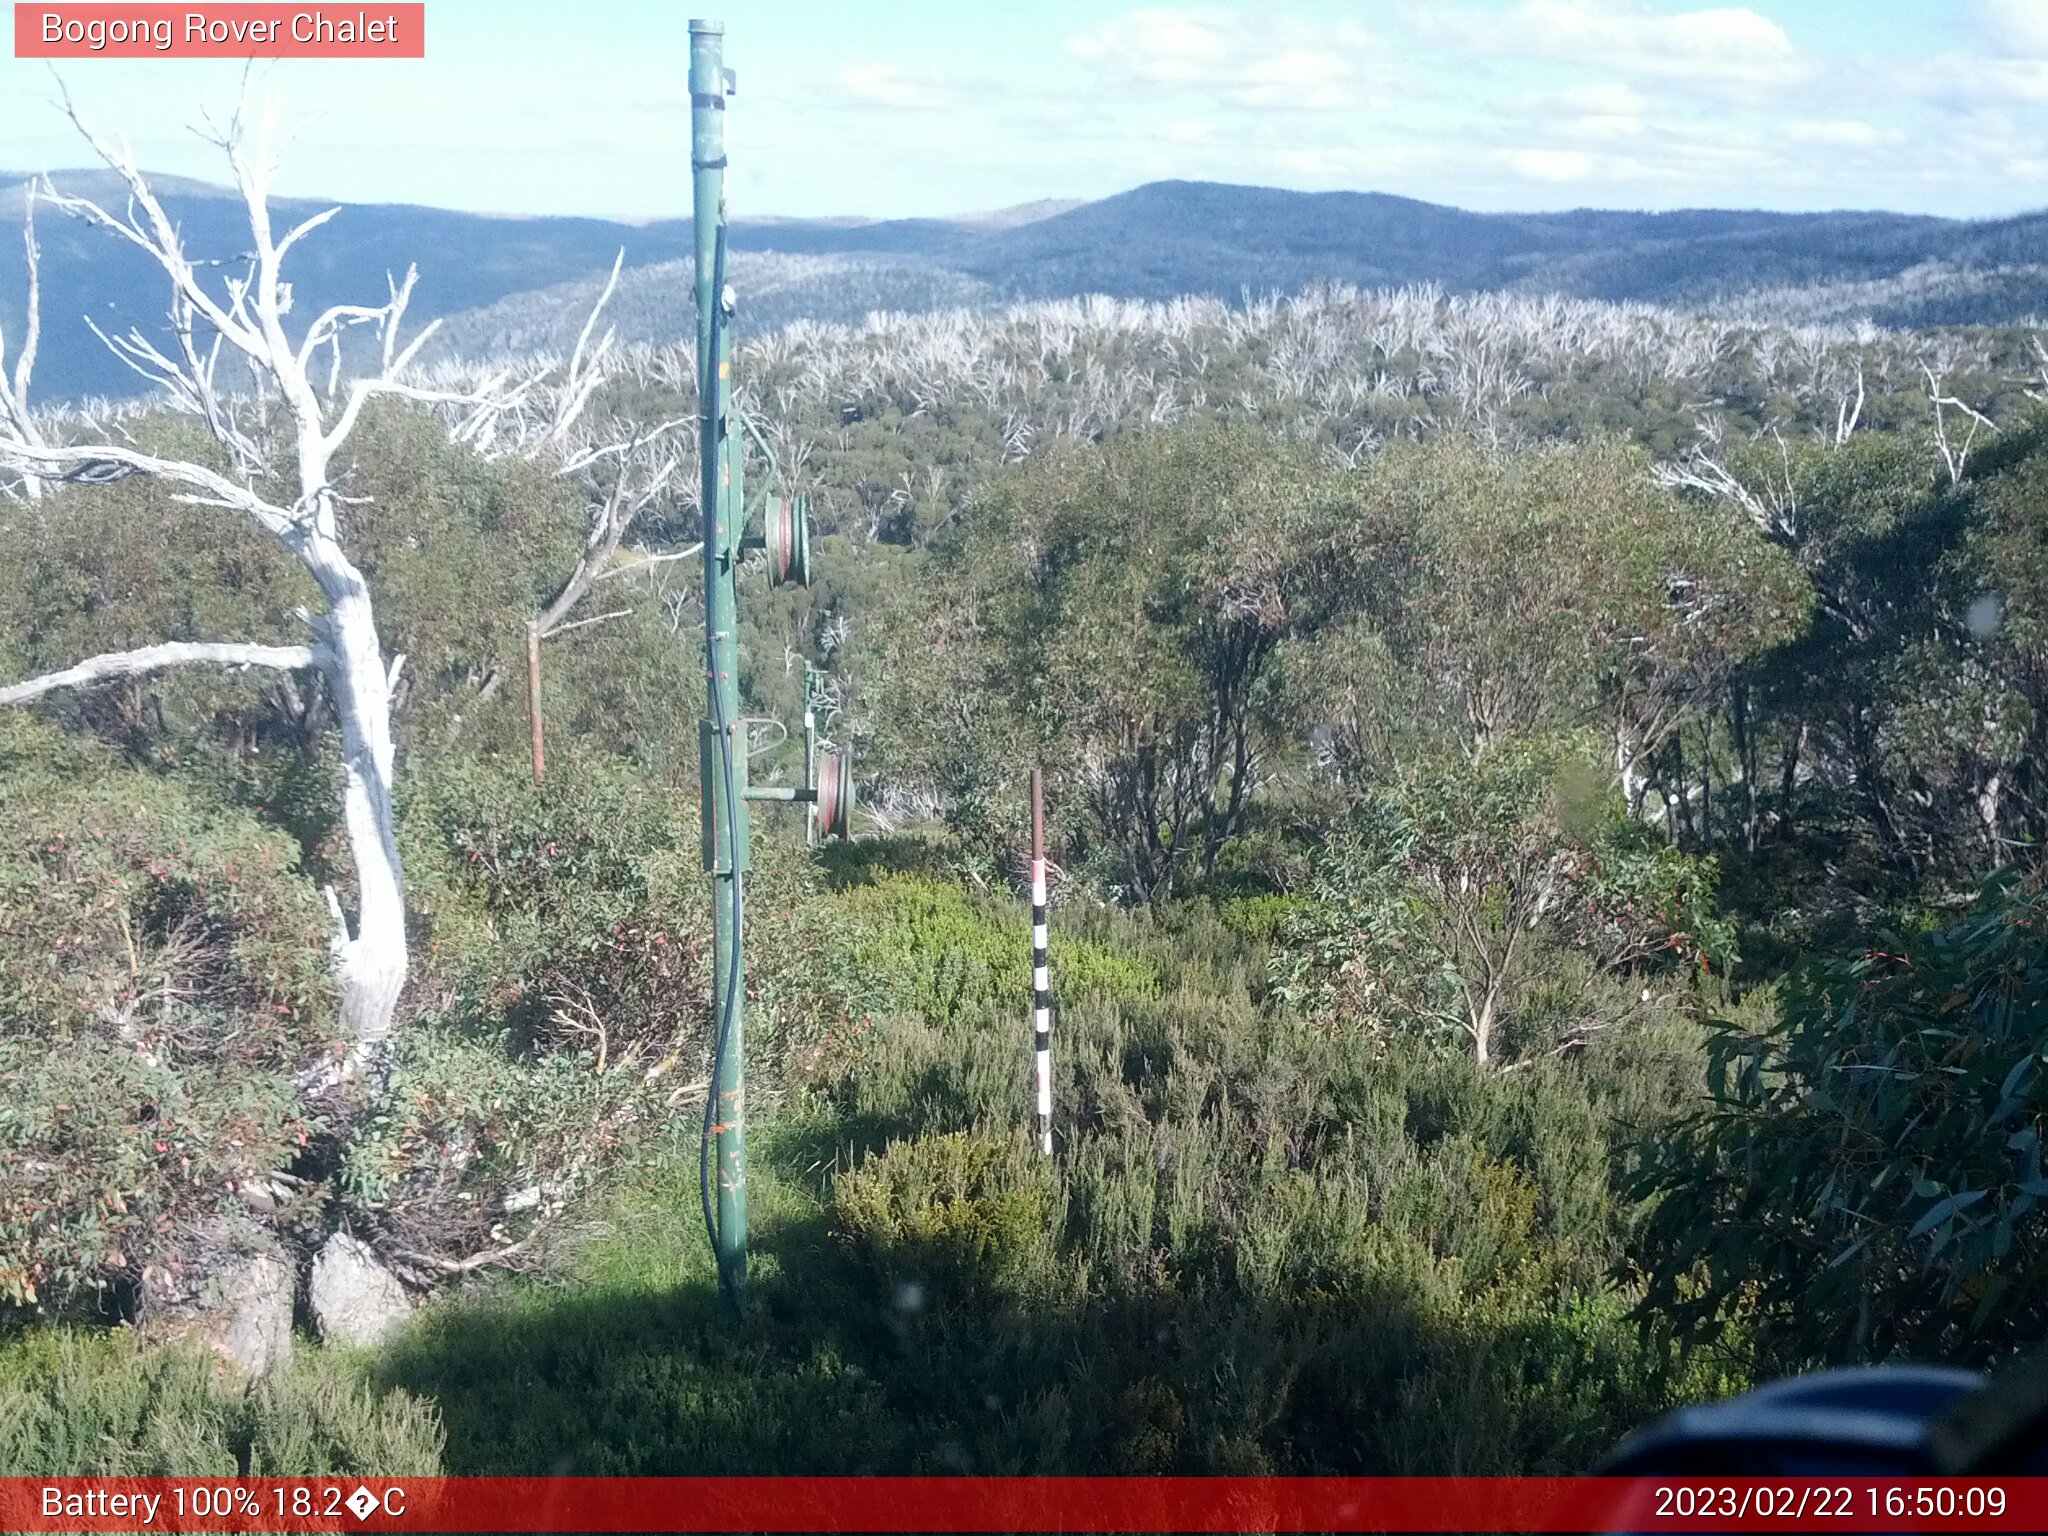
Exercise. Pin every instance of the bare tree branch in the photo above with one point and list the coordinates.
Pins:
(648, 560)
(1772, 506)
(641, 479)
(563, 629)
(155, 658)
(1846, 414)
(97, 463)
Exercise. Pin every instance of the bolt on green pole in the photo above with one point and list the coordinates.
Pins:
(721, 738)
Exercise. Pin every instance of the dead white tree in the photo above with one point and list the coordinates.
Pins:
(2037, 388)
(1848, 412)
(15, 417)
(283, 431)
(645, 466)
(1771, 501)
(1955, 453)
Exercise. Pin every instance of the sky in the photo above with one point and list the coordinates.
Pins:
(935, 107)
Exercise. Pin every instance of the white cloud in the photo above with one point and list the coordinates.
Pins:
(2016, 28)
(1223, 55)
(884, 85)
(1604, 129)
(2021, 80)
(1603, 111)
(1717, 48)
(1600, 98)
(1551, 165)
(1299, 77)
(1350, 166)
(1966, 83)
(1161, 47)
(1841, 133)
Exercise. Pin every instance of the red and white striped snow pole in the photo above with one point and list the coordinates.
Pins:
(1041, 970)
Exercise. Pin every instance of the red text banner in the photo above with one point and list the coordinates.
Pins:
(976, 1504)
(261, 31)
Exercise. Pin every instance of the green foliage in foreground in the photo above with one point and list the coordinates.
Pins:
(1261, 1248)
(76, 1404)
(1869, 1181)
(937, 952)
(161, 977)
(1264, 1246)
(558, 1015)
(959, 1210)
(1287, 1228)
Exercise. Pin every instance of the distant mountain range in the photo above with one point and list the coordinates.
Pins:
(519, 282)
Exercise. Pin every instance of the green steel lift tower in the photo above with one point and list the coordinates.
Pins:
(722, 735)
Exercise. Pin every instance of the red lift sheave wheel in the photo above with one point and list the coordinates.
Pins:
(835, 794)
(787, 538)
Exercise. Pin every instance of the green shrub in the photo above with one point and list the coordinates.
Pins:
(102, 1405)
(578, 913)
(163, 973)
(964, 1214)
(560, 1006)
(117, 882)
(940, 955)
(1261, 918)
(574, 911)
(462, 1122)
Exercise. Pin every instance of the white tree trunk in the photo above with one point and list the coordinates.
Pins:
(1987, 814)
(155, 658)
(372, 961)
(1481, 1030)
(1634, 783)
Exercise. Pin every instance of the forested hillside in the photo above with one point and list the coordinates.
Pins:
(510, 283)
(1529, 780)
(1174, 239)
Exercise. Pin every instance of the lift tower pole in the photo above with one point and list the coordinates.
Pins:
(721, 740)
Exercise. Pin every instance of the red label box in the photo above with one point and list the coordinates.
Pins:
(261, 31)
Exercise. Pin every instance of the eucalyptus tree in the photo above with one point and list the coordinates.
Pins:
(1866, 1180)
(1523, 591)
(1119, 614)
(1456, 888)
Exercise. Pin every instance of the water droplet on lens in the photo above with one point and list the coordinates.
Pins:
(1984, 615)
